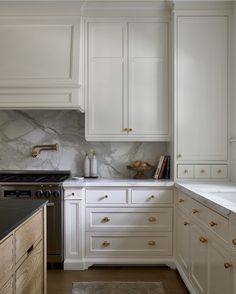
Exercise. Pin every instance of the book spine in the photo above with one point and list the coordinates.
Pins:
(161, 174)
(167, 171)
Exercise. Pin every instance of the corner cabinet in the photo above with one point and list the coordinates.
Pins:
(127, 80)
(201, 70)
(40, 62)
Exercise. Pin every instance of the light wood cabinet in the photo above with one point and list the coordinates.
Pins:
(23, 257)
(201, 87)
(127, 84)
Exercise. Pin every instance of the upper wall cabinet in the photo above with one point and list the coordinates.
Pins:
(127, 80)
(39, 62)
(201, 87)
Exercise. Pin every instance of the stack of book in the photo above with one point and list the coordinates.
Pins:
(163, 168)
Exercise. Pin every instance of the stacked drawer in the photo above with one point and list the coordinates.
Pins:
(128, 222)
(203, 171)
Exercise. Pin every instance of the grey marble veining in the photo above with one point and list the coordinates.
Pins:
(20, 130)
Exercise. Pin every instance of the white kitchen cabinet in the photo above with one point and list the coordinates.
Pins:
(127, 81)
(73, 233)
(201, 46)
(40, 62)
(183, 241)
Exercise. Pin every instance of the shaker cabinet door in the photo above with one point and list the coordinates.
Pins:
(201, 87)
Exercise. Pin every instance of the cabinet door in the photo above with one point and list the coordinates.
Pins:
(199, 259)
(106, 84)
(220, 270)
(73, 229)
(183, 241)
(202, 51)
(148, 79)
(29, 276)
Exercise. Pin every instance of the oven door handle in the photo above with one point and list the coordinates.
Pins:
(50, 204)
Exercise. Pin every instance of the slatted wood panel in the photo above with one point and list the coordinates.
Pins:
(6, 259)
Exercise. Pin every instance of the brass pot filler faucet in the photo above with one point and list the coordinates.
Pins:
(36, 150)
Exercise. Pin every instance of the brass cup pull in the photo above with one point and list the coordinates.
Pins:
(234, 241)
(186, 223)
(212, 223)
(152, 219)
(106, 219)
(227, 265)
(195, 211)
(105, 243)
(181, 200)
(152, 243)
(203, 240)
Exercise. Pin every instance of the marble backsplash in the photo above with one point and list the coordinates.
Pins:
(20, 130)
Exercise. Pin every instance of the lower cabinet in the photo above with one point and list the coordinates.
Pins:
(122, 225)
(204, 259)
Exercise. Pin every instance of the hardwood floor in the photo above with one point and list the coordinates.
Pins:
(60, 282)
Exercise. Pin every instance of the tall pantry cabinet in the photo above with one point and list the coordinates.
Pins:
(201, 81)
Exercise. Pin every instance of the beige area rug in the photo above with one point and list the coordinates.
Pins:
(117, 288)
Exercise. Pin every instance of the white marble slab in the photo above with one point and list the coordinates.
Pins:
(107, 182)
(219, 196)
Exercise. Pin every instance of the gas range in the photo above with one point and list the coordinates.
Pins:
(40, 184)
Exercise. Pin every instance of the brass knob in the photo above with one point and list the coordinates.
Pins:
(186, 223)
(219, 171)
(105, 196)
(105, 243)
(185, 171)
(152, 219)
(202, 171)
(203, 240)
(152, 243)
(195, 211)
(130, 129)
(125, 129)
(234, 241)
(212, 223)
(227, 265)
(106, 219)
(181, 200)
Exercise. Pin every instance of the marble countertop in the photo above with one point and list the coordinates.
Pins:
(219, 196)
(117, 182)
(14, 212)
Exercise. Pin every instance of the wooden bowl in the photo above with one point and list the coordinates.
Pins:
(140, 171)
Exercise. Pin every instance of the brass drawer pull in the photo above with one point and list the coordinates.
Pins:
(219, 171)
(186, 223)
(195, 211)
(106, 219)
(234, 241)
(181, 200)
(130, 129)
(203, 240)
(227, 265)
(152, 196)
(152, 219)
(212, 223)
(105, 244)
(152, 243)
(179, 155)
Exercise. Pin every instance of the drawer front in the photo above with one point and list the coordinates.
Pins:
(202, 171)
(98, 219)
(106, 196)
(184, 202)
(219, 171)
(73, 194)
(8, 287)
(6, 259)
(232, 238)
(152, 196)
(29, 233)
(185, 171)
(29, 276)
(212, 220)
(129, 244)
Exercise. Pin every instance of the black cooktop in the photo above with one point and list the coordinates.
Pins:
(27, 176)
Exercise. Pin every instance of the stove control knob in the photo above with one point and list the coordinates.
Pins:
(39, 193)
(47, 193)
(56, 194)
